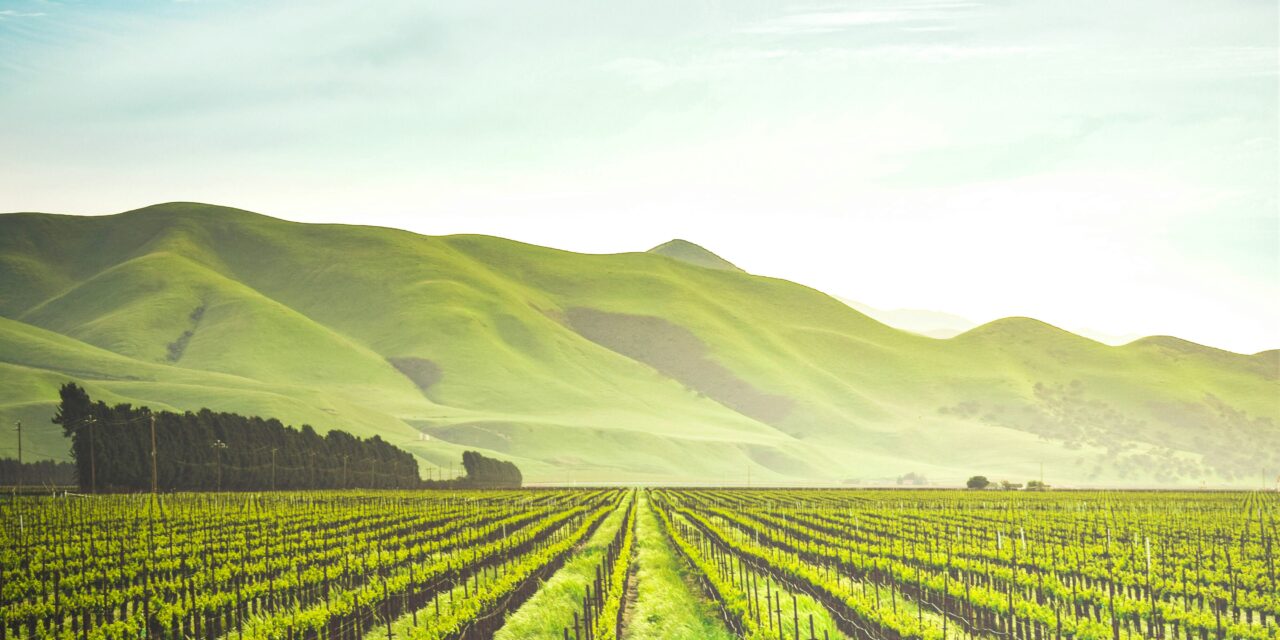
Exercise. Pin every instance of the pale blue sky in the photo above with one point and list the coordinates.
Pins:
(1100, 164)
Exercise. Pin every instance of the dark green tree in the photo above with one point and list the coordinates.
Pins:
(205, 450)
(489, 473)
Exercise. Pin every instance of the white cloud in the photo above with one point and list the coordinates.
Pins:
(910, 15)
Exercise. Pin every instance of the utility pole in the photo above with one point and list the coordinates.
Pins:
(19, 427)
(154, 475)
(93, 464)
(748, 476)
(273, 468)
(344, 470)
(218, 446)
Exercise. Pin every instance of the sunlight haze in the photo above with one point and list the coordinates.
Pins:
(1105, 167)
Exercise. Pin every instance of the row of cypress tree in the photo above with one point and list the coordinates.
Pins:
(36, 474)
(209, 451)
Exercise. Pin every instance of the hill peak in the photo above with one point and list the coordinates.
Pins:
(185, 209)
(694, 254)
(1020, 328)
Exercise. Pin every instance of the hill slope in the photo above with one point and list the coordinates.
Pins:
(590, 368)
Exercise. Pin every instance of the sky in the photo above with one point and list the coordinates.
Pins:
(1099, 165)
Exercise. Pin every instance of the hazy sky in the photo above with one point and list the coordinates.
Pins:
(1096, 164)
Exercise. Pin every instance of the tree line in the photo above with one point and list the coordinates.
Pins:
(39, 473)
(209, 451)
(111, 449)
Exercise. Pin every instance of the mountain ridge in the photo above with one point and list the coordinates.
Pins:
(679, 367)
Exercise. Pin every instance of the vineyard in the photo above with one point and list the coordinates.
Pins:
(616, 564)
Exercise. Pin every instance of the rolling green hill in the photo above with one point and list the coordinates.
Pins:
(667, 365)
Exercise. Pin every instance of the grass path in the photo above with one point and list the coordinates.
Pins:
(551, 608)
(667, 604)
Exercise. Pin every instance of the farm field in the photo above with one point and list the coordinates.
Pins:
(627, 564)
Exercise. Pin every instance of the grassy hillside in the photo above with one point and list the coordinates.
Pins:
(638, 366)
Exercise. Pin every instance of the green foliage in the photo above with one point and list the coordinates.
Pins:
(44, 473)
(279, 565)
(1022, 564)
(488, 473)
(432, 565)
(205, 451)
(978, 482)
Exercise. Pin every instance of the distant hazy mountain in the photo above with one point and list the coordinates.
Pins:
(939, 324)
(691, 253)
(934, 324)
(579, 367)
(1106, 337)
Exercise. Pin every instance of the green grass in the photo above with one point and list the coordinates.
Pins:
(667, 604)
(799, 611)
(300, 321)
(550, 610)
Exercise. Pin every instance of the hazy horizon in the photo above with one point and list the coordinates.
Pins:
(1086, 165)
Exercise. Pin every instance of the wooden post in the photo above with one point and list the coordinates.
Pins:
(412, 590)
(93, 464)
(19, 428)
(146, 603)
(768, 604)
(386, 607)
(777, 605)
(154, 474)
(795, 616)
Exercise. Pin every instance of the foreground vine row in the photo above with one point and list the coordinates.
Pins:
(933, 565)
